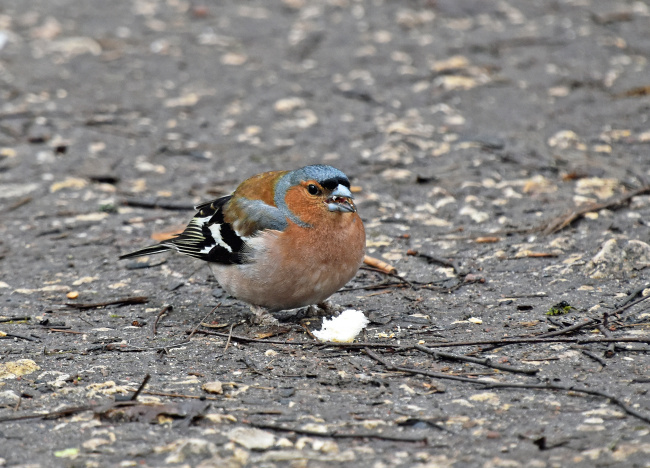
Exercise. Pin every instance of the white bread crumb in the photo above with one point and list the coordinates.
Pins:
(344, 328)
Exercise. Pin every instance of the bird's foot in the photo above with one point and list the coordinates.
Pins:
(261, 316)
(324, 309)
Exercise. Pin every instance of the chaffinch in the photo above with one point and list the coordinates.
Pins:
(281, 240)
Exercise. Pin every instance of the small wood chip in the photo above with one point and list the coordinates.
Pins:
(380, 265)
(487, 240)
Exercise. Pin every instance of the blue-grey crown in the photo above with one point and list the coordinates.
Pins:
(328, 176)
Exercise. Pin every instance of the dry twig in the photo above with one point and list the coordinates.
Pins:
(595, 357)
(627, 305)
(163, 204)
(229, 338)
(574, 214)
(488, 385)
(117, 302)
(203, 319)
(338, 435)
(13, 335)
(487, 362)
(570, 329)
(137, 393)
(163, 311)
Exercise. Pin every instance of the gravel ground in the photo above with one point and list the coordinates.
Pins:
(500, 154)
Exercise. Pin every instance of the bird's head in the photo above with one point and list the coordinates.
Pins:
(314, 192)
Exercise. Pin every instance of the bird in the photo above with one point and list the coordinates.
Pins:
(282, 240)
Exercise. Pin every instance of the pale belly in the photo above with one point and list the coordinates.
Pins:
(304, 277)
(288, 292)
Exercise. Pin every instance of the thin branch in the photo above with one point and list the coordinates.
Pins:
(6, 335)
(14, 319)
(496, 341)
(136, 394)
(487, 362)
(408, 370)
(568, 388)
(158, 203)
(442, 261)
(488, 385)
(163, 311)
(51, 414)
(634, 294)
(308, 331)
(338, 435)
(574, 214)
(203, 319)
(438, 344)
(135, 349)
(180, 395)
(117, 302)
(60, 330)
(246, 339)
(629, 304)
(229, 338)
(595, 357)
(570, 329)
(509, 341)
(611, 349)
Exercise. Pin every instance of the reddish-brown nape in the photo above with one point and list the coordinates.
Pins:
(259, 187)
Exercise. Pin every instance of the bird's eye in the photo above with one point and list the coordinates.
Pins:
(313, 190)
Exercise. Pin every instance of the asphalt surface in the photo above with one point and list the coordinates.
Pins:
(500, 153)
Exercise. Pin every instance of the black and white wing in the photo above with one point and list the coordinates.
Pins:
(207, 237)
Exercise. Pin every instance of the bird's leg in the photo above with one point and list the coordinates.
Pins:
(324, 309)
(261, 316)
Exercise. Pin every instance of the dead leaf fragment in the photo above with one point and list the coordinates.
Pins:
(454, 82)
(182, 448)
(602, 188)
(186, 100)
(94, 443)
(153, 412)
(539, 184)
(252, 438)
(288, 105)
(14, 369)
(73, 46)
(213, 387)
(234, 59)
(105, 388)
(74, 183)
(489, 397)
(397, 174)
(218, 418)
(84, 280)
(452, 63)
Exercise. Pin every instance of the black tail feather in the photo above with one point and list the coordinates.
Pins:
(152, 249)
